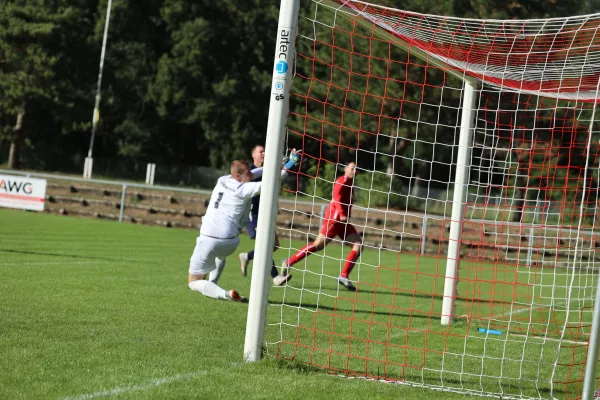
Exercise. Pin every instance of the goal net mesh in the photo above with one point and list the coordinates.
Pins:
(384, 88)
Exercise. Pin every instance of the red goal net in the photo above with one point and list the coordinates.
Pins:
(384, 90)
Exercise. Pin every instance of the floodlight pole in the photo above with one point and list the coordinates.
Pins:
(87, 170)
(278, 110)
(458, 200)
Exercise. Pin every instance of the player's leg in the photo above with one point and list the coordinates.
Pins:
(354, 239)
(319, 243)
(202, 263)
(284, 271)
(328, 232)
(245, 258)
(222, 250)
(285, 276)
(215, 274)
(277, 280)
(198, 283)
(244, 261)
(251, 228)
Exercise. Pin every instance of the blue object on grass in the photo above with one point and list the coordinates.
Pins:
(490, 331)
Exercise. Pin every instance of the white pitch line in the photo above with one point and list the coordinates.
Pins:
(136, 388)
(508, 314)
(33, 264)
(548, 339)
(535, 336)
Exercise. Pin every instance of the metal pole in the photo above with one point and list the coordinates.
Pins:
(150, 172)
(424, 235)
(529, 247)
(589, 382)
(122, 209)
(458, 201)
(96, 115)
(278, 110)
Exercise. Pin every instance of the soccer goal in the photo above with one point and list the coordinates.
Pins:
(476, 145)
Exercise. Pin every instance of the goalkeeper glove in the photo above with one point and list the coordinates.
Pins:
(294, 160)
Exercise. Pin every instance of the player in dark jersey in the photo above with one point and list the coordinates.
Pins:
(335, 223)
(258, 158)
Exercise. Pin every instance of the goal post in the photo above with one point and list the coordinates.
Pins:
(278, 110)
(459, 200)
(477, 153)
(590, 382)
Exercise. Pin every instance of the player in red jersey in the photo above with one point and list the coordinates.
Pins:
(335, 223)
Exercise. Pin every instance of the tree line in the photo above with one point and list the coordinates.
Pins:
(184, 82)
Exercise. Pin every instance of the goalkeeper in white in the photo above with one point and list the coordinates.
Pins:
(226, 215)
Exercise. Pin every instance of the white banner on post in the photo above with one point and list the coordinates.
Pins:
(22, 193)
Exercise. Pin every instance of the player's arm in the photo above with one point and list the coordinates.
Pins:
(351, 202)
(337, 200)
(289, 164)
(257, 172)
(249, 190)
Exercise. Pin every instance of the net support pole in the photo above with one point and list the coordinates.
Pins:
(278, 109)
(424, 235)
(458, 201)
(122, 206)
(589, 382)
(590, 379)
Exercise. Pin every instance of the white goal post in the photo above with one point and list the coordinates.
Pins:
(278, 110)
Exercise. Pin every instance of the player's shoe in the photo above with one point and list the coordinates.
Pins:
(233, 295)
(347, 283)
(281, 280)
(285, 268)
(244, 263)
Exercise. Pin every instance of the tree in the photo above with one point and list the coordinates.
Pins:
(213, 84)
(38, 44)
(519, 9)
(188, 81)
(129, 126)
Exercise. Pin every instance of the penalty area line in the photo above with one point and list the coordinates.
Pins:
(136, 388)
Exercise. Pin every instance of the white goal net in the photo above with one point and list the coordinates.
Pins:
(384, 90)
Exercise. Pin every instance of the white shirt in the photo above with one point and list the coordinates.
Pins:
(229, 207)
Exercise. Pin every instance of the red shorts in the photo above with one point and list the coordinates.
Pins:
(332, 228)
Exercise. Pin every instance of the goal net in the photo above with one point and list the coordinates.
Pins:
(386, 89)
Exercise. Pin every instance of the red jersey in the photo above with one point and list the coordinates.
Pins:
(341, 202)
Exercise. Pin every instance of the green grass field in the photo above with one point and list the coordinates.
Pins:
(97, 309)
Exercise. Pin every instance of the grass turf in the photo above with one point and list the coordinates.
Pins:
(95, 309)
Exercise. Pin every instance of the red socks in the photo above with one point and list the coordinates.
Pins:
(350, 261)
(306, 250)
(303, 252)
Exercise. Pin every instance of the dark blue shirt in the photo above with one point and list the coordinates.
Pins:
(255, 199)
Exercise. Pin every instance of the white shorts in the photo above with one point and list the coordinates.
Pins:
(207, 250)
